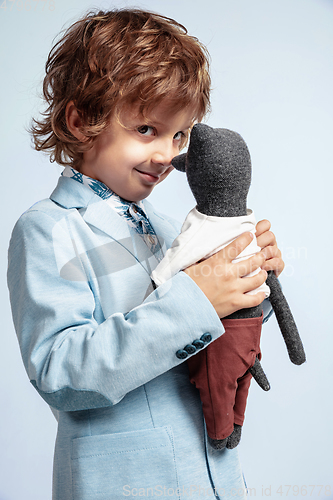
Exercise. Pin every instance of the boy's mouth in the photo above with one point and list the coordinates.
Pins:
(149, 177)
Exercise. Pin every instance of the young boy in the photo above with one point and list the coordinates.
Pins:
(99, 344)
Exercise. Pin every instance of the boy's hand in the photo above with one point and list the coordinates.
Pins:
(266, 240)
(222, 281)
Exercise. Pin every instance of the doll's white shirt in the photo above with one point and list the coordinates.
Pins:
(201, 236)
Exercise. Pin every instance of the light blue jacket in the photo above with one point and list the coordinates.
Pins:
(99, 345)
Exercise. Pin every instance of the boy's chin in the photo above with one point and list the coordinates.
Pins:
(139, 196)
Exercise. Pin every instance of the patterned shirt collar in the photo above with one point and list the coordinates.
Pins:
(133, 213)
(119, 204)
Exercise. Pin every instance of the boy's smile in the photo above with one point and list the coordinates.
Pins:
(133, 157)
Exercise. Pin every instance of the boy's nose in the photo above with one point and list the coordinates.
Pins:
(164, 154)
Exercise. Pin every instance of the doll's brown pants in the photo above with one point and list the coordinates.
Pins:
(220, 372)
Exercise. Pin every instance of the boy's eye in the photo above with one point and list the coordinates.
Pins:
(146, 130)
(179, 136)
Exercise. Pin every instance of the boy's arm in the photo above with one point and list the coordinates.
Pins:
(76, 363)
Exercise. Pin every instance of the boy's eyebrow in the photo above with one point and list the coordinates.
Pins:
(156, 122)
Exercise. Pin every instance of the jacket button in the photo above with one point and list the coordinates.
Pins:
(198, 344)
(181, 354)
(206, 337)
(190, 349)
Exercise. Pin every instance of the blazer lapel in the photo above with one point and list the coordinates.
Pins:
(165, 231)
(103, 217)
(70, 193)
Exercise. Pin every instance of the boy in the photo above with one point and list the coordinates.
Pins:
(99, 344)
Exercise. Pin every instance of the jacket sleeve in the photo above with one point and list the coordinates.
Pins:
(76, 363)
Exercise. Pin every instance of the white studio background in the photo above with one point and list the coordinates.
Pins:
(273, 78)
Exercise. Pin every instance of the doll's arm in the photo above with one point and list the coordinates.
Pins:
(274, 266)
(286, 321)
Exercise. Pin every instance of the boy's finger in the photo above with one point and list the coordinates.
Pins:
(265, 239)
(254, 282)
(262, 227)
(276, 265)
(231, 251)
(249, 265)
(253, 300)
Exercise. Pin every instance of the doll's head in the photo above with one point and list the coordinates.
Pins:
(109, 62)
(218, 169)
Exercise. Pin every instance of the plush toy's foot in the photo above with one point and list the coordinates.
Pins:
(229, 442)
(218, 444)
(235, 437)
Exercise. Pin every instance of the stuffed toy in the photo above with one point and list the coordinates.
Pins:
(218, 169)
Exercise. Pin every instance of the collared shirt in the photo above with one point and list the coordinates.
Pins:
(134, 213)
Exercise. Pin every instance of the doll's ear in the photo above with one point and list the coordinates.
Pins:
(179, 162)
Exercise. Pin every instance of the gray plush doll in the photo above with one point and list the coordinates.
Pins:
(218, 169)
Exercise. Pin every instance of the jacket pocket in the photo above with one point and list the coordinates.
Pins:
(126, 464)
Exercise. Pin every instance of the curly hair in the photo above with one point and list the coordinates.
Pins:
(109, 61)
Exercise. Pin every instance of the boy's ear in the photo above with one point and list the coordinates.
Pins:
(179, 162)
(74, 122)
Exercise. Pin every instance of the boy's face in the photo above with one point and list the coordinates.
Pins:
(133, 160)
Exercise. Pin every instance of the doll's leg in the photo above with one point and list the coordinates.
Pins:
(215, 372)
(239, 410)
(217, 387)
(243, 385)
(241, 399)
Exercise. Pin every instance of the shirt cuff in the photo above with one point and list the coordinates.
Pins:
(267, 310)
